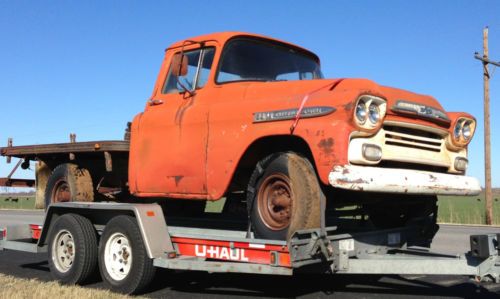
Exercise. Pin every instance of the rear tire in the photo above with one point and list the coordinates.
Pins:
(123, 261)
(72, 249)
(69, 182)
(283, 196)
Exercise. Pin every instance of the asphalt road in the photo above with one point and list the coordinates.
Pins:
(450, 239)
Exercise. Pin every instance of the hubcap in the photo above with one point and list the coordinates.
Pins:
(274, 201)
(63, 251)
(61, 192)
(118, 256)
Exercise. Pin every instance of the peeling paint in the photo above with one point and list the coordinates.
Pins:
(406, 181)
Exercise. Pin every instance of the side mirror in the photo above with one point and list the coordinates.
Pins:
(179, 65)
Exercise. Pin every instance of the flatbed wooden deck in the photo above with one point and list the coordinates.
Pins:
(30, 152)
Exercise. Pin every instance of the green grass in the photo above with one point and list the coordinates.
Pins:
(452, 209)
(17, 202)
(467, 209)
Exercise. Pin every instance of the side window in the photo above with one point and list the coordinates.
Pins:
(205, 63)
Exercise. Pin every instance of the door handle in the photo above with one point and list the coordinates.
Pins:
(155, 102)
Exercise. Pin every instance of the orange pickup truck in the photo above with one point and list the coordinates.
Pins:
(252, 119)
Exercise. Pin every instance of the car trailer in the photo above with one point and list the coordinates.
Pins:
(134, 238)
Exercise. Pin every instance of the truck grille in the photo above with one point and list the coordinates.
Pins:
(412, 138)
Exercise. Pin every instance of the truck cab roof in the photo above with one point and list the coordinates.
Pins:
(223, 37)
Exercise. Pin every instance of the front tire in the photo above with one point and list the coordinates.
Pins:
(123, 261)
(72, 249)
(284, 196)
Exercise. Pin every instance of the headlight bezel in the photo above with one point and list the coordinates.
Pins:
(366, 124)
(458, 137)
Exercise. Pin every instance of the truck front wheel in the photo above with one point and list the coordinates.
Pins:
(283, 196)
(123, 261)
(69, 182)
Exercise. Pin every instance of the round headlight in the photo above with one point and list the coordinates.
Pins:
(361, 112)
(466, 130)
(373, 113)
(457, 131)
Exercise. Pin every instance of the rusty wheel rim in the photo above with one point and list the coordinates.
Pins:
(274, 201)
(61, 192)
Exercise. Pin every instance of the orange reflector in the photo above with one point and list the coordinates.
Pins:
(172, 255)
(150, 213)
(97, 146)
(273, 258)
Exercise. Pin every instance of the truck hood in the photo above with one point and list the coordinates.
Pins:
(343, 92)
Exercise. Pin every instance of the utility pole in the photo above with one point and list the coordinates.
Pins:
(487, 134)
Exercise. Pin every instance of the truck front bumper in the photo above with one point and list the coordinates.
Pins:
(390, 180)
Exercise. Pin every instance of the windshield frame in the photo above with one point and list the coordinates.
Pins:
(260, 40)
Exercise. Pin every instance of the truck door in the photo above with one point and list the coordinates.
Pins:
(171, 147)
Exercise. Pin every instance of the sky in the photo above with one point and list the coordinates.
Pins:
(87, 67)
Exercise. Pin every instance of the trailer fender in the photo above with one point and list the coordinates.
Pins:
(149, 217)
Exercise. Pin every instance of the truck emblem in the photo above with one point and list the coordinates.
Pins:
(420, 109)
(286, 114)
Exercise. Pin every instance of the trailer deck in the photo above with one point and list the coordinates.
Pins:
(317, 250)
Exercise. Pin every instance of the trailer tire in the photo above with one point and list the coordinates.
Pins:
(283, 196)
(72, 249)
(69, 182)
(120, 242)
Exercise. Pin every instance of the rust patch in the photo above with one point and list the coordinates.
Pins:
(326, 145)
(349, 182)
(177, 179)
(348, 106)
(320, 133)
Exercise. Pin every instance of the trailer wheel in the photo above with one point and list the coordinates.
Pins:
(72, 249)
(123, 261)
(283, 196)
(69, 182)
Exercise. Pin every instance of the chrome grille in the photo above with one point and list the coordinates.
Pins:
(412, 138)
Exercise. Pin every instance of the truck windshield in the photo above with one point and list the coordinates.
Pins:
(256, 60)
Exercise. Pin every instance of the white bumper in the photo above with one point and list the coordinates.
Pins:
(376, 179)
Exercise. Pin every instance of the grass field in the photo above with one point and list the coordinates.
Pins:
(17, 288)
(17, 202)
(467, 209)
